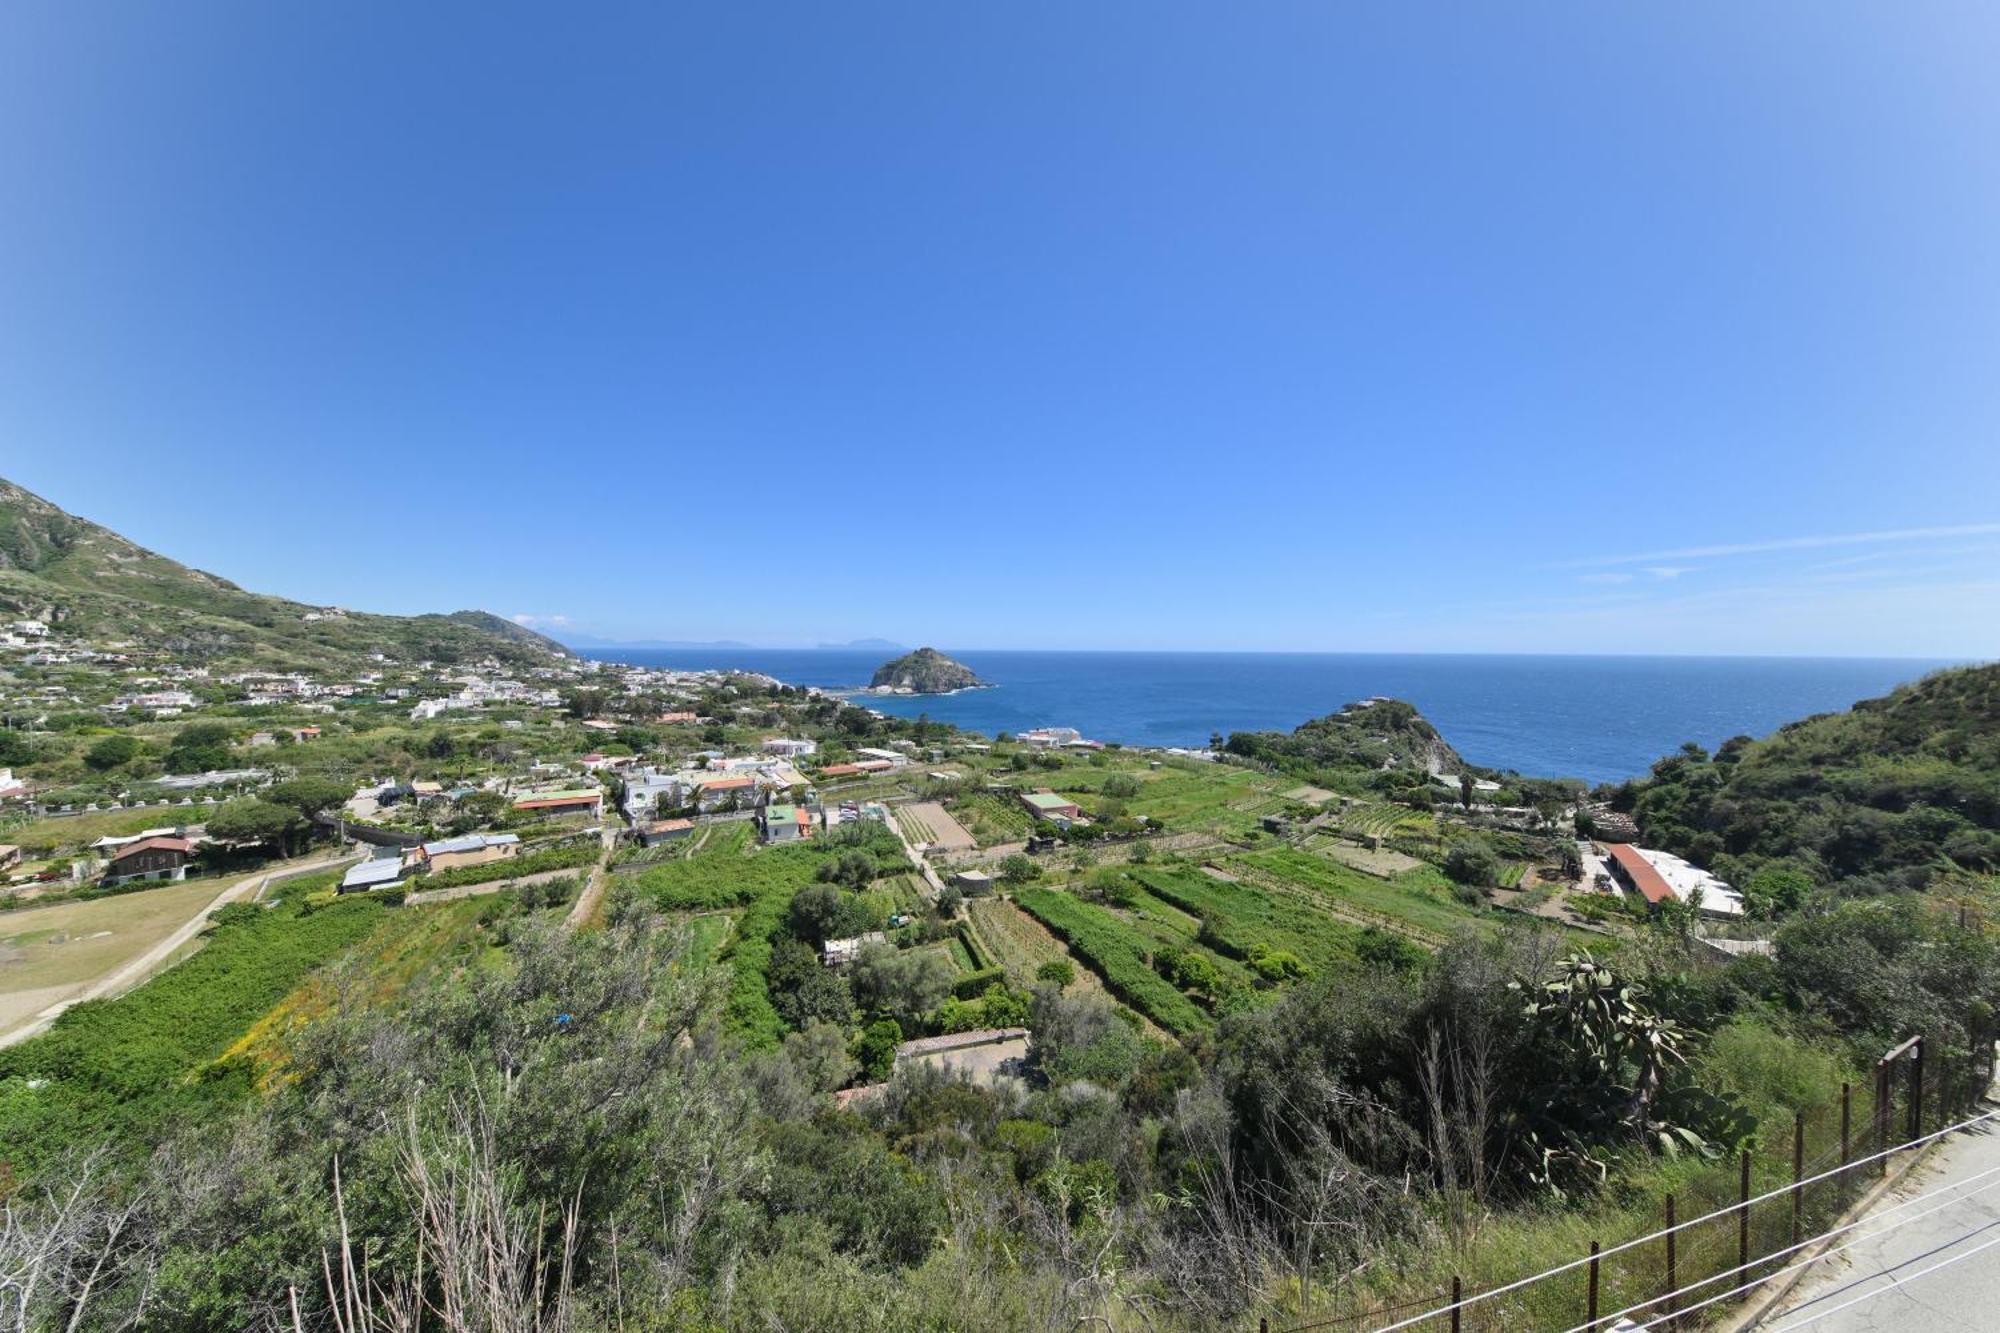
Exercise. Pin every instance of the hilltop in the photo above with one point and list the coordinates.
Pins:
(92, 583)
(1887, 795)
(925, 671)
(1381, 734)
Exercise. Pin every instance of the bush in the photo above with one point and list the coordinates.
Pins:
(972, 985)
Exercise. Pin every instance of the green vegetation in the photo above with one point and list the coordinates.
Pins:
(1887, 796)
(1106, 943)
(1250, 923)
(527, 863)
(926, 671)
(118, 1069)
(1416, 900)
(111, 588)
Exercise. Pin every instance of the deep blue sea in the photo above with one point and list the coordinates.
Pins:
(1597, 718)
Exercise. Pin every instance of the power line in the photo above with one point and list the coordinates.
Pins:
(1724, 1211)
(1805, 1244)
(1894, 1285)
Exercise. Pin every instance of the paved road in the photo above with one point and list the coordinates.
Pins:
(1938, 1272)
(151, 961)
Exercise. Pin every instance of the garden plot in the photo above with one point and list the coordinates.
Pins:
(929, 823)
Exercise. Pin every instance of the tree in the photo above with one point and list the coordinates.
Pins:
(1472, 861)
(854, 869)
(15, 749)
(310, 795)
(822, 912)
(111, 752)
(875, 1049)
(199, 747)
(1777, 889)
(901, 985)
(1018, 869)
(254, 821)
(819, 1053)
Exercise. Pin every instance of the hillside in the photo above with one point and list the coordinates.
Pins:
(91, 583)
(1377, 734)
(925, 671)
(1884, 796)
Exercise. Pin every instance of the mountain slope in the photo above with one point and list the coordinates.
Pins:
(90, 582)
(1885, 796)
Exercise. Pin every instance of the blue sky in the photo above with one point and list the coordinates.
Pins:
(1558, 327)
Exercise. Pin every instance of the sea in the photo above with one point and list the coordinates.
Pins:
(1602, 719)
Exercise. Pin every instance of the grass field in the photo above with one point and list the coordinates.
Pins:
(708, 933)
(45, 836)
(410, 943)
(49, 954)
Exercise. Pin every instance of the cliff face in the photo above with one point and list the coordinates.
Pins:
(926, 671)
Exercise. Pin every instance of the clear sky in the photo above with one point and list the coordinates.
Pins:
(1563, 327)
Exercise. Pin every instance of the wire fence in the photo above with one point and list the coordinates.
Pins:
(1730, 1227)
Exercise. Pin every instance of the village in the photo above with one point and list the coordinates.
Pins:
(594, 782)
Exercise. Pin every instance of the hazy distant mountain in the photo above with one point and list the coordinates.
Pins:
(91, 583)
(868, 645)
(576, 640)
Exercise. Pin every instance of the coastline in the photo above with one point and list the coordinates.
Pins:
(1603, 719)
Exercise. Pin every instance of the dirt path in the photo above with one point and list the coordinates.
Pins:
(140, 969)
(587, 903)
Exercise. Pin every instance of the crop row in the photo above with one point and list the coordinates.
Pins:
(1242, 917)
(1107, 945)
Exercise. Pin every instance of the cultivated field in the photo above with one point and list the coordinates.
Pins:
(1019, 943)
(929, 822)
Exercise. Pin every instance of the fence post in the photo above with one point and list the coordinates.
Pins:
(1798, 1171)
(1882, 1115)
(1846, 1123)
(1590, 1312)
(1743, 1219)
(1454, 1302)
(1917, 1092)
(1673, 1281)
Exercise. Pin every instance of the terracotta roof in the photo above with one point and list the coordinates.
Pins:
(1648, 881)
(181, 845)
(666, 825)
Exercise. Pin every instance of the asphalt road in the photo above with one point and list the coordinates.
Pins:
(1937, 1272)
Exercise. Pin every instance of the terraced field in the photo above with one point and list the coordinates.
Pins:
(1114, 950)
(1246, 915)
(1417, 904)
(1382, 820)
(992, 819)
(1016, 941)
